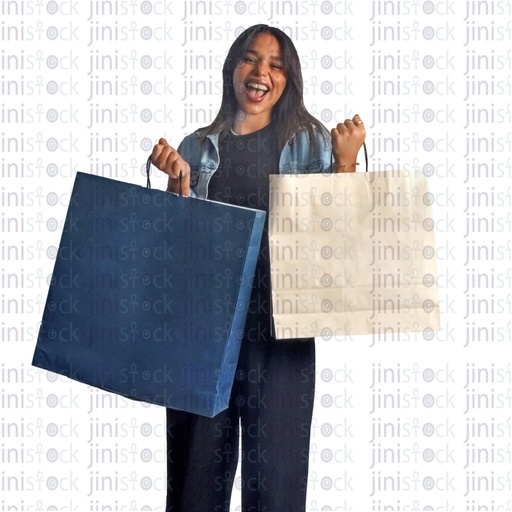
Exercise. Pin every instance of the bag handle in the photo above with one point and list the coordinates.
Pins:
(148, 182)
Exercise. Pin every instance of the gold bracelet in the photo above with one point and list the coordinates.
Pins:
(345, 165)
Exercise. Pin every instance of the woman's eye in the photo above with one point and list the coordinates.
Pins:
(249, 60)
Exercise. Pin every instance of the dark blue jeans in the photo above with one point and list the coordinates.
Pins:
(272, 403)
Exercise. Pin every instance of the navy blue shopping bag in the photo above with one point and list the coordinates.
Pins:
(149, 294)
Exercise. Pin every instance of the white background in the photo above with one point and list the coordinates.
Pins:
(409, 57)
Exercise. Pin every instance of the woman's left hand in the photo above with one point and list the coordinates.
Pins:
(347, 139)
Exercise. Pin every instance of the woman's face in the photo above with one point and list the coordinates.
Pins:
(259, 79)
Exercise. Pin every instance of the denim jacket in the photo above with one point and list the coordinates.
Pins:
(202, 154)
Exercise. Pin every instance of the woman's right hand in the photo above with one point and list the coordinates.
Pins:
(168, 160)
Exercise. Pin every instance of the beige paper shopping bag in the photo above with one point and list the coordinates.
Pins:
(352, 253)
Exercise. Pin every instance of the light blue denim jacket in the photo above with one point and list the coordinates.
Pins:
(202, 154)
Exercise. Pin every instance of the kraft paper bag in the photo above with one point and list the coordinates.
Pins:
(149, 294)
(352, 253)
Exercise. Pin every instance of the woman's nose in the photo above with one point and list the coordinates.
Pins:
(262, 68)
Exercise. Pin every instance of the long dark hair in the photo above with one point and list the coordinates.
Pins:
(289, 114)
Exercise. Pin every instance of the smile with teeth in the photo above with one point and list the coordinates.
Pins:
(257, 90)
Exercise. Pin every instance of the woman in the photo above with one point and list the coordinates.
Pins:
(262, 128)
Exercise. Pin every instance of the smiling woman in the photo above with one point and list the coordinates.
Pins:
(259, 81)
(262, 128)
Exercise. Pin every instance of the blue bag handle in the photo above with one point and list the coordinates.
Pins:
(148, 169)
